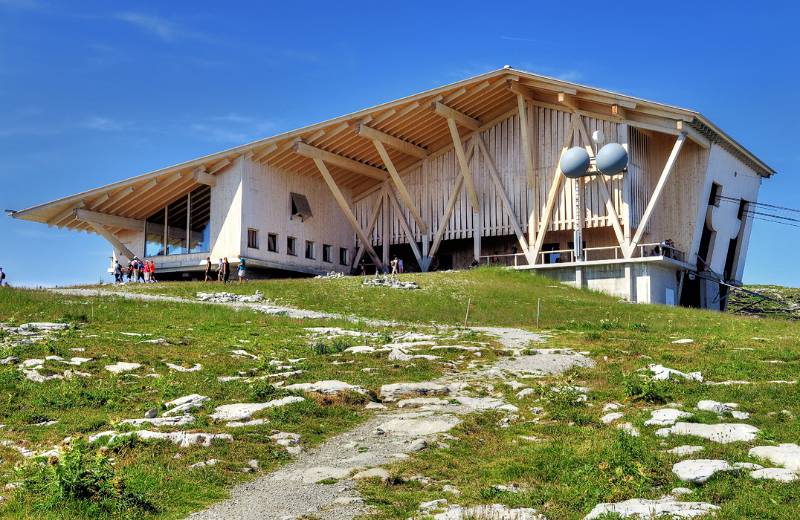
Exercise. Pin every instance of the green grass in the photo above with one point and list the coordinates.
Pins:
(164, 485)
(576, 463)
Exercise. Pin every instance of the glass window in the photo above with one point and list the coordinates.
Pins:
(300, 206)
(343, 256)
(252, 238)
(326, 253)
(200, 220)
(272, 242)
(177, 223)
(309, 249)
(290, 246)
(154, 234)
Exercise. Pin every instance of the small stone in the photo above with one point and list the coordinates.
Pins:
(723, 433)
(447, 488)
(151, 413)
(611, 417)
(610, 407)
(122, 366)
(786, 455)
(629, 428)
(678, 491)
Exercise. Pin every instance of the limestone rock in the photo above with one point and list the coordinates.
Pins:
(328, 387)
(611, 417)
(415, 426)
(779, 474)
(647, 509)
(699, 470)
(723, 433)
(372, 473)
(785, 455)
(243, 411)
(396, 391)
(662, 373)
(666, 417)
(685, 450)
(122, 366)
(488, 512)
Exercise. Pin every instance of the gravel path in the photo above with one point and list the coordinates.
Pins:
(322, 482)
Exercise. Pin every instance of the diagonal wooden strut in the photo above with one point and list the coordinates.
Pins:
(345, 207)
(406, 228)
(448, 212)
(509, 209)
(401, 187)
(463, 163)
(662, 181)
(555, 188)
(373, 219)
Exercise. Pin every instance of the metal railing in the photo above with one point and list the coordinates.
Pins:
(560, 256)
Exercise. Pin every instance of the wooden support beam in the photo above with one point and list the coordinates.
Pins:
(460, 117)
(568, 101)
(392, 141)
(527, 158)
(507, 207)
(662, 181)
(104, 219)
(463, 164)
(693, 134)
(204, 178)
(373, 219)
(386, 231)
(67, 213)
(552, 195)
(403, 224)
(401, 187)
(218, 167)
(318, 154)
(120, 248)
(345, 207)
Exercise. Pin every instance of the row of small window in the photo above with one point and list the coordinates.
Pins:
(291, 247)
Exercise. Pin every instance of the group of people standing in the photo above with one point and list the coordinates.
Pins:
(136, 271)
(223, 272)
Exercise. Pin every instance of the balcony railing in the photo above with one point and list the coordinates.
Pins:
(590, 254)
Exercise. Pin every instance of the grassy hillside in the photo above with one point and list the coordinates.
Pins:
(576, 461)
(780, 302)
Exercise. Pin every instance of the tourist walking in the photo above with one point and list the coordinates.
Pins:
(394, 263)
(400, 266)
(226, 270)
(208, 270)
(220, 269)
(242, 270)
(2, 277)
(136, 269)
(117, 272)
(152, 271)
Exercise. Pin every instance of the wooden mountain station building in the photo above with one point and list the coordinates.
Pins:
(460, 174)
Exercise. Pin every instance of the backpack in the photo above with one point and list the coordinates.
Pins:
(2, 276)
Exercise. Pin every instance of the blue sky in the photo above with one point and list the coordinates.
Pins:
(92, 92)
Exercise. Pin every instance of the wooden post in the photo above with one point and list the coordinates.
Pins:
(386, 230)
(527, 154)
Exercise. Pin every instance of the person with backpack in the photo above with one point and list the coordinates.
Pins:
(117, 272)
(2, 277)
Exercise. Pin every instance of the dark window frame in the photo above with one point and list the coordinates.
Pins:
(291, 246)
(272, 242)
(252, 238)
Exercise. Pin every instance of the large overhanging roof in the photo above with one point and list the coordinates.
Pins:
(411, 127)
